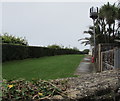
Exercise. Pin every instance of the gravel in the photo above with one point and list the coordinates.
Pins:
(104, 86)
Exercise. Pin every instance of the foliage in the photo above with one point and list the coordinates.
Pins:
(10, 39)
(54, 46)
(31, 90)
(17, 52)
(104, 26)
(75, 48)
(107, 15)
(14, 52)
(86, 51)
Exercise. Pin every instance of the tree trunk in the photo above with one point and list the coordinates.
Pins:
(113, 30)
(109, 32)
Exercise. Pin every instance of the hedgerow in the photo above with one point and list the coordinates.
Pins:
(18, 52)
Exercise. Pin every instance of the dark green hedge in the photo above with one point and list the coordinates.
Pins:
(18, 52)
(14, 52)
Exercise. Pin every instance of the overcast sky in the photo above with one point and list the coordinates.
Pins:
(48, 23)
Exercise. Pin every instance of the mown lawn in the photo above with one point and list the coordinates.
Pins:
(42, 68)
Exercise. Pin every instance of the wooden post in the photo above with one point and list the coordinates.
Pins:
(101, 65)
(115, 58)
(99, 57)
(119, 58)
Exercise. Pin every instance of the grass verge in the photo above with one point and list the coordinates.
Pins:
(42, 68)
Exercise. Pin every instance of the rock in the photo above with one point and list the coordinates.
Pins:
(57, 97)
(73, 94)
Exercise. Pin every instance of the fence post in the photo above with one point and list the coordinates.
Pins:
(114, 57)
(118, 58)
(101, 65)
(99, 57)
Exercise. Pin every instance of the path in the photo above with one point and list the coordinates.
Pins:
(85, 66)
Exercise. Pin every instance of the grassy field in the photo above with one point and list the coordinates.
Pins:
(42, 68)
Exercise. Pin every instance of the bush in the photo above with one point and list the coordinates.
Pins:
(85, 51)
(54, 46)
(18, 52)
(14, 52)
(10, 39)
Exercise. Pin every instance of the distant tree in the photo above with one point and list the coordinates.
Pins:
(54, 46)
(75, 48)
(67, 48)
(10, 39)
(85, 51)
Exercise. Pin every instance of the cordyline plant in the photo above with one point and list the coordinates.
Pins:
(31, 90)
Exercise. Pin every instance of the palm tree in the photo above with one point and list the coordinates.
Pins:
(90, 40)
(104, 25)
(108, 13)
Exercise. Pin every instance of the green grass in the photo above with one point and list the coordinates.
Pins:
(42, 68)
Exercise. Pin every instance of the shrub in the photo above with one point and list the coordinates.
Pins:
(54, 46)
(16, 52)
(10, 39)
(86, 51)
